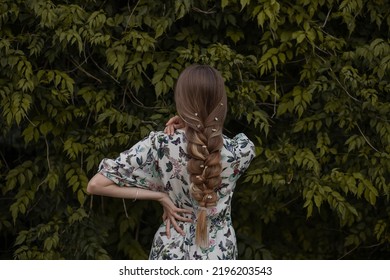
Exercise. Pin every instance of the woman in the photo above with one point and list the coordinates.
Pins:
(191, 169)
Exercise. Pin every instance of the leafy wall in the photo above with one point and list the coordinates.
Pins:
(308, 82)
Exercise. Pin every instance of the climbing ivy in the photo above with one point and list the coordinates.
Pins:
(307, 81)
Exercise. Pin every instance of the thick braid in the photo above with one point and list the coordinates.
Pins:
(204, 147)
(201, 102)
(205, 176)
(205, 168)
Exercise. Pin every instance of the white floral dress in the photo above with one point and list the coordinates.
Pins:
(158, 163)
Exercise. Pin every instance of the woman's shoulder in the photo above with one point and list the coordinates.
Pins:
(239, 145)
(238, 140)
(160, 138)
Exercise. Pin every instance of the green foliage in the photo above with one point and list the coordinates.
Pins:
(308, 81)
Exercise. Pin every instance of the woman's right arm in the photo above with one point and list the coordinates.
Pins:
(100, 185)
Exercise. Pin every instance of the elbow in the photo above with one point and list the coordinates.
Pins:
(93, 186)
(97, 185)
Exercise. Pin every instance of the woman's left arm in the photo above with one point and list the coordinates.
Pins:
(174, 123)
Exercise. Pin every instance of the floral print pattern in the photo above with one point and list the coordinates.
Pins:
(158, 163)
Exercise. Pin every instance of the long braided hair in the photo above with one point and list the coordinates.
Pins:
(200, 99)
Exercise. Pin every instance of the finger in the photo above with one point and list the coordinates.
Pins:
(169, 122)
(176, 227)
(172, 120)
(184, 211)
(180, 212)
(179, 125)
(168, 228)
(181, 218)
(169, 130)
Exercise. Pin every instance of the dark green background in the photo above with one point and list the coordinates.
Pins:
(308, 82)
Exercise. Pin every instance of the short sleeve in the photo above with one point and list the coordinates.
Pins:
(137, 166)
(244, 150)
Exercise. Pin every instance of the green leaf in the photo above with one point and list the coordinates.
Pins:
(244, 3)
(224, 3)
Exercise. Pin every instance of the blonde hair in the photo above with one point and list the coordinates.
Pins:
(200, 98)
